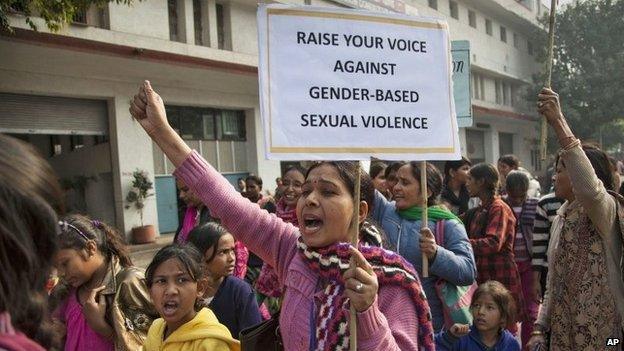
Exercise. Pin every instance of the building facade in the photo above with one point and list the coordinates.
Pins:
(68, 92)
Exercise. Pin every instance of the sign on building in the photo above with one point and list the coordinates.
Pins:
(345, 84)
(460, 49)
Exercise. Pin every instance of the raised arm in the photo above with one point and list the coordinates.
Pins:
(588, 189)
(266, 235)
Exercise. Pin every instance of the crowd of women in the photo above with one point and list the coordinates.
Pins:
(488, 238)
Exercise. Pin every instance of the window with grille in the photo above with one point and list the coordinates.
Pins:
(505, 144)
(196, 123)
(172, 5)
(488, 26)
(472, 19)
(221, 27)
(232, 125)
(454, 9)
(197, 20)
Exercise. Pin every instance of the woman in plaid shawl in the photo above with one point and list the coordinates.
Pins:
(491, 230)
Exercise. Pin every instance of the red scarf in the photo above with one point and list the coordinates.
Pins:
(390, 268)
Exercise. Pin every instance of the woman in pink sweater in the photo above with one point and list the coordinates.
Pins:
(312, 262)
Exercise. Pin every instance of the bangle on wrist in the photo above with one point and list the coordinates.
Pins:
(574, 142)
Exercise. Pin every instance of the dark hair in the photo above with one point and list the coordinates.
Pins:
(517, 180)
(454, 165)
(239, 179)
(510, 160)
(487, 173)
(501, 296)
(393, 167)
(434, 180)
(297, 168)
(207, 236)
(30, 200)
(600, 163)
(346, 171)
(376, 168)
(108, 240)
(255, 179)
(187, 254)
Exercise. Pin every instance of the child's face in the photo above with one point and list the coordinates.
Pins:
(486, 314)
(75, 267)
(222, 264)
(174, 293)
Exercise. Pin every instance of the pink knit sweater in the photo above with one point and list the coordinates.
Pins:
(389, 324)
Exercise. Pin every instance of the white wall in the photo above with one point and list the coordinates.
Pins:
(244, 29)
(145, 18)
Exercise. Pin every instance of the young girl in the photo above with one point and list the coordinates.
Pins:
(102, 299)
(231, 299)
(491, 228)
(492, 308)
(454, 194)
(312, 261)
(175, 286)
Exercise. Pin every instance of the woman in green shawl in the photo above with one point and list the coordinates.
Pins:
(450, 258)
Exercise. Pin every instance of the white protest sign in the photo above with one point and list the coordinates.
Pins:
(341, 84)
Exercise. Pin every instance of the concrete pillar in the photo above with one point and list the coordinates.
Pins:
(127, 140)
(188, 21)
(211, 26)
(491, 146)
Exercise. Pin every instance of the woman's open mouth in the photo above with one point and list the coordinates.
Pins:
(312, 223)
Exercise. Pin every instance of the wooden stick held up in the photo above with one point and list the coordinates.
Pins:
(354, 241)
(425, 216)
(551, 44)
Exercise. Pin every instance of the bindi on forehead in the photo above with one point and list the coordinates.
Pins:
(320, 181)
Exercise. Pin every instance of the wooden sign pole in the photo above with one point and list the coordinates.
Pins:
(425, 217)
(354, 241)
(551, 44)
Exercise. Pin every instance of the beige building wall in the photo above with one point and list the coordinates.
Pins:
(110, 60)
